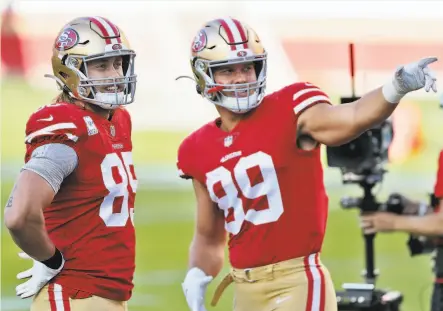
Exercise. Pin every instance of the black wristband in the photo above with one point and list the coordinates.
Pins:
(55, 261)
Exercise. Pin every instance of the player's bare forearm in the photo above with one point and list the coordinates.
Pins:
(207, 255)
(337, 125)
(33, 238)
(207, 247)
(24, 215)
(429, 225)
(371, 110)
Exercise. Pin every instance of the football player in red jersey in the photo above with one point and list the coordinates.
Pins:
(72, 206)
(257, 174)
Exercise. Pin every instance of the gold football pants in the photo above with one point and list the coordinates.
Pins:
(53, 297)
(301, 284)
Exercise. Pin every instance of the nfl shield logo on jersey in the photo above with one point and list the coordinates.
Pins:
(112, 128)
(228, 140)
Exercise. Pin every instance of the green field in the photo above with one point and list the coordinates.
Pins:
(164, 217)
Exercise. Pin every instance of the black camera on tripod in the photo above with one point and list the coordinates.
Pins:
(365, 156)
(362, 161)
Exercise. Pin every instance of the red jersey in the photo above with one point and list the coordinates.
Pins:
(438, 187)
(272, 193)
(91, 217)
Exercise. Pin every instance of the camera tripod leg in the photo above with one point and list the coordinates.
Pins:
(437, 293)
(370, 273)
(358, 297)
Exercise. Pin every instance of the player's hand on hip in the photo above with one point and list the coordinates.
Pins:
(39, 276)
(409, 78)
(194, 287)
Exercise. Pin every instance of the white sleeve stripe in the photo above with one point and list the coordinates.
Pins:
(304, 91)
(311, 100)
(49, 131)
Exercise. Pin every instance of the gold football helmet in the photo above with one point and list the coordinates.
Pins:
(87, 39)
(222, 42)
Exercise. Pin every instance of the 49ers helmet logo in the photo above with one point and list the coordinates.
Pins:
(67, 39)
(117, 46)
(199, 42)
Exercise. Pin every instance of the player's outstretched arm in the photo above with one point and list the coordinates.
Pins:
(336, 125)
(24, 215)
(206, 254)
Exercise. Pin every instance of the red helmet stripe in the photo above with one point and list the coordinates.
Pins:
(102, 29)
(228, 33)
(241, 31)
(114, 29)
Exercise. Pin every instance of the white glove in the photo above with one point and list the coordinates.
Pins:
(194, 287)
(410, 77)
(39, 276)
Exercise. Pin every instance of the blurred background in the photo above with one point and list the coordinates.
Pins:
(306, 41)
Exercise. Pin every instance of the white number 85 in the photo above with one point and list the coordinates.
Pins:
(117, 189)
(268, 187)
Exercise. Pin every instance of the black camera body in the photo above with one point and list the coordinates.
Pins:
(365, 156)
(366, 297)
(417, 245)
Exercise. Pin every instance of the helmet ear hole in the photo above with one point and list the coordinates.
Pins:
(63, 74)
(198, 89)
(64, 87)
